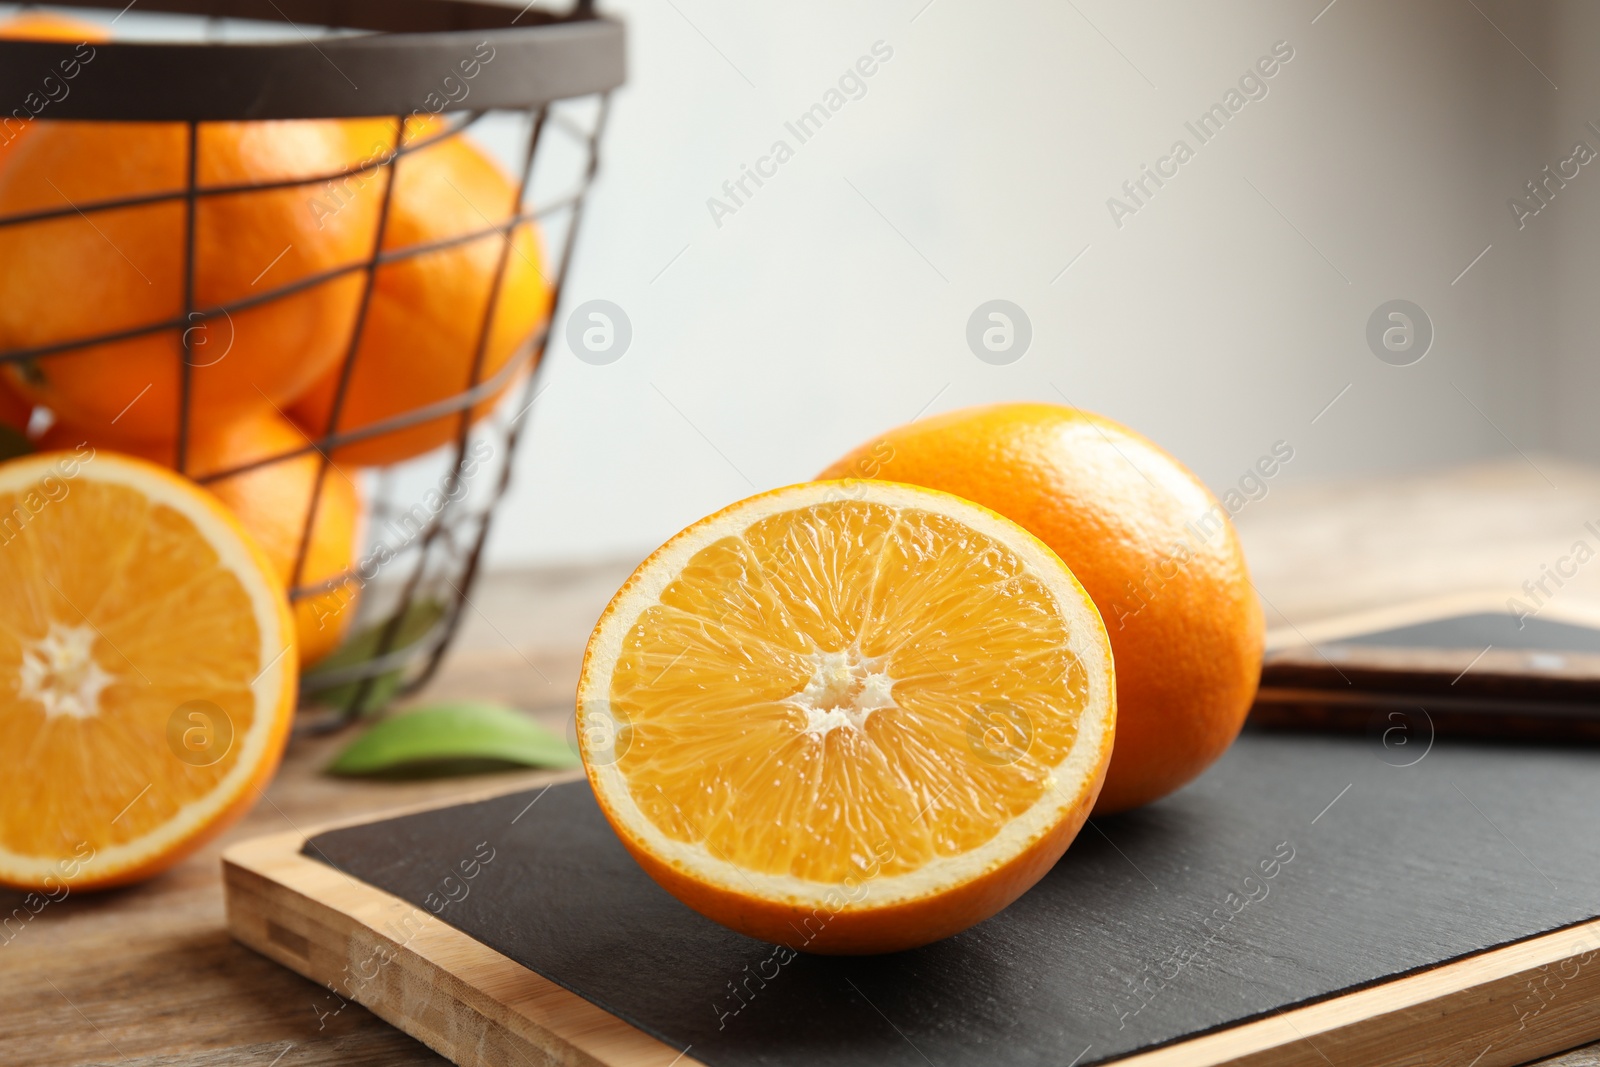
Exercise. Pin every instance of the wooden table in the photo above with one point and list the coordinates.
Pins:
(148, 975)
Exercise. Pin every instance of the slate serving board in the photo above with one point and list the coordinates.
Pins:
(1297, 868)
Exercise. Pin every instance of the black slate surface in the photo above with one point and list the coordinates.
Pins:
(1472, 632)
(1121, 947)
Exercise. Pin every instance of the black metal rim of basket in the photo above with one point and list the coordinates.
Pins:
(404, 52)
(407, 49)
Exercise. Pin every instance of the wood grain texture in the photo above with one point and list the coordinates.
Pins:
(1328, 549)
(1366, 1027)
(464, 1000)
(1389, 872)
(149, 975)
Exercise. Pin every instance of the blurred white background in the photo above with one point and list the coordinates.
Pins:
(1227, 314)
(1223, 317)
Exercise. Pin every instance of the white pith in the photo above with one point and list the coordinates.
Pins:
(60, 671)
(1086, 640)
(268, 686)
(844, 688)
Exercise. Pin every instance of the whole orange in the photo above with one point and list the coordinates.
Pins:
(84, 274)
(422, 330)
(271, 503)
(46, 26)
(1153, 547)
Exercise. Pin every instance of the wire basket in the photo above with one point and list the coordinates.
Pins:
(551, 74)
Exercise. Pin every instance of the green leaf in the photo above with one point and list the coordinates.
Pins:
(419, 619)
(455, 737)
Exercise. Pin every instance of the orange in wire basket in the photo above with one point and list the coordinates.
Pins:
(46, 26)
(423, 330)
(35, 26)
(272, 502)
(848, 717)
(78, 275)
(147, 668)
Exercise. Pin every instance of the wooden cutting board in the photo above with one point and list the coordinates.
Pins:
(1307, 901)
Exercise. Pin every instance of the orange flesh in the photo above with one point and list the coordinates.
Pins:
(118, 612)
(843, 687)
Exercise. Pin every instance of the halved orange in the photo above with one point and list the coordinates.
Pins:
(271, 503)
(848, 716)
(147, 669)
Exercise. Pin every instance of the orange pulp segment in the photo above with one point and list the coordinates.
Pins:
(147, 669)
(848, 716)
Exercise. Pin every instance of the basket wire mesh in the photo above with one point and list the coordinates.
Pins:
(422, 557)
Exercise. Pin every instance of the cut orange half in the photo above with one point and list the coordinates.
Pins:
(147, 669)
(848, 717)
